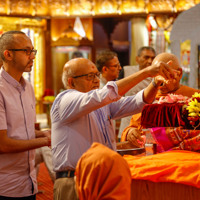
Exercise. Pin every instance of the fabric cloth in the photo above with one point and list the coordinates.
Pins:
(64, 189)
(103, 81)
(162, 115)
(44, 154)
(79, 119)
(169, 138)
(128, 70)
(17, 116)
(136, 119)
(102, 174)
(177, 166)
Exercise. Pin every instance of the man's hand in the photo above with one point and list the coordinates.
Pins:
(134, 137)
(44, 134)
(47, 133)
(162, 69)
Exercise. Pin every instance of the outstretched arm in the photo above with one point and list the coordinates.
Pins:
(159, 68)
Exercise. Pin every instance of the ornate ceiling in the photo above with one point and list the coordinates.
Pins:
(91, 8)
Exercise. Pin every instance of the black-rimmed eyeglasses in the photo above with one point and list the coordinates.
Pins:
(90, 76)
(118, 65)
(28, 51)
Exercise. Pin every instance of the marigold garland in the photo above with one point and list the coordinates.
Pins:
(193, 109)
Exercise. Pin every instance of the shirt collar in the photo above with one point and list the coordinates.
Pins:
(104, 81)
(18, 85)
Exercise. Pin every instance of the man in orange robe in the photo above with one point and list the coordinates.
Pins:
(102, 173)
(133, 132)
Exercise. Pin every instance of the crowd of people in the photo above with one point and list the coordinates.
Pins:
(82, 136)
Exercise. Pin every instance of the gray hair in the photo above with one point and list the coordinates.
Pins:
(67, 73)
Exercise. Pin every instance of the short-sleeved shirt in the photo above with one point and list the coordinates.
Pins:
(79, 119)
(17, 116)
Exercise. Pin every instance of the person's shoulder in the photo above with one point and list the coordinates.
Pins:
(128, 70)
(27, 84)
(66, 92)
(187, 91)
(190, 88)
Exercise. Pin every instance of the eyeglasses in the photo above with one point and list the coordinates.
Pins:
(90, 76)
(28, 51)
(118, 65)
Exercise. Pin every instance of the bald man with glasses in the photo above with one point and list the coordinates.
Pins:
(83, 114)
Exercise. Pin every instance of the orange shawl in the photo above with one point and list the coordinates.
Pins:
(173, 166)
(101, 174)
(136, 119)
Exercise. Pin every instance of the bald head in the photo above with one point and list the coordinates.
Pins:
(166, 57)
(76, 67)
(170, 86)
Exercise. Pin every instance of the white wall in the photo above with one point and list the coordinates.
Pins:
(187, 27)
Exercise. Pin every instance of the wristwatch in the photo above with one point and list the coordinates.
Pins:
(154, 83)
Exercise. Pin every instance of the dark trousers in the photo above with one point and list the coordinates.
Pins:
(32, 197)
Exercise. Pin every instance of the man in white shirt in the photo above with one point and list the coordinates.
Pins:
(144, 59)
(83, 114)
(108, 65)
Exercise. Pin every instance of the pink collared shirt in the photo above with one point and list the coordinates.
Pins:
(17, 116)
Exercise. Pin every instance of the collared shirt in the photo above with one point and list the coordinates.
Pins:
(79, 119)
(103, 81)
(128, 70)
(17, 116)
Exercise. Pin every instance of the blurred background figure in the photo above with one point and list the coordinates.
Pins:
(101, 173)
(77, 54)
(108, 65)
(44, 154)
(144, 58)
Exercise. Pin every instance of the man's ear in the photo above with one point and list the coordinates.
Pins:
(137, 59)
(71, 82)
(104, 69)
(181, 72)
(8, 55)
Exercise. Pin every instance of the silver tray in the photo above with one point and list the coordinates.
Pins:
(133, 151)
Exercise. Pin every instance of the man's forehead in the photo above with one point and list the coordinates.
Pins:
(81, 65)
(113, 60)
(22, 38)
(147, 52)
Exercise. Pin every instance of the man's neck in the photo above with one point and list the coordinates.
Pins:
(107, 78)
(12, 72)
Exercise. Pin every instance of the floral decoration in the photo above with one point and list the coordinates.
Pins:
(192, 110)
